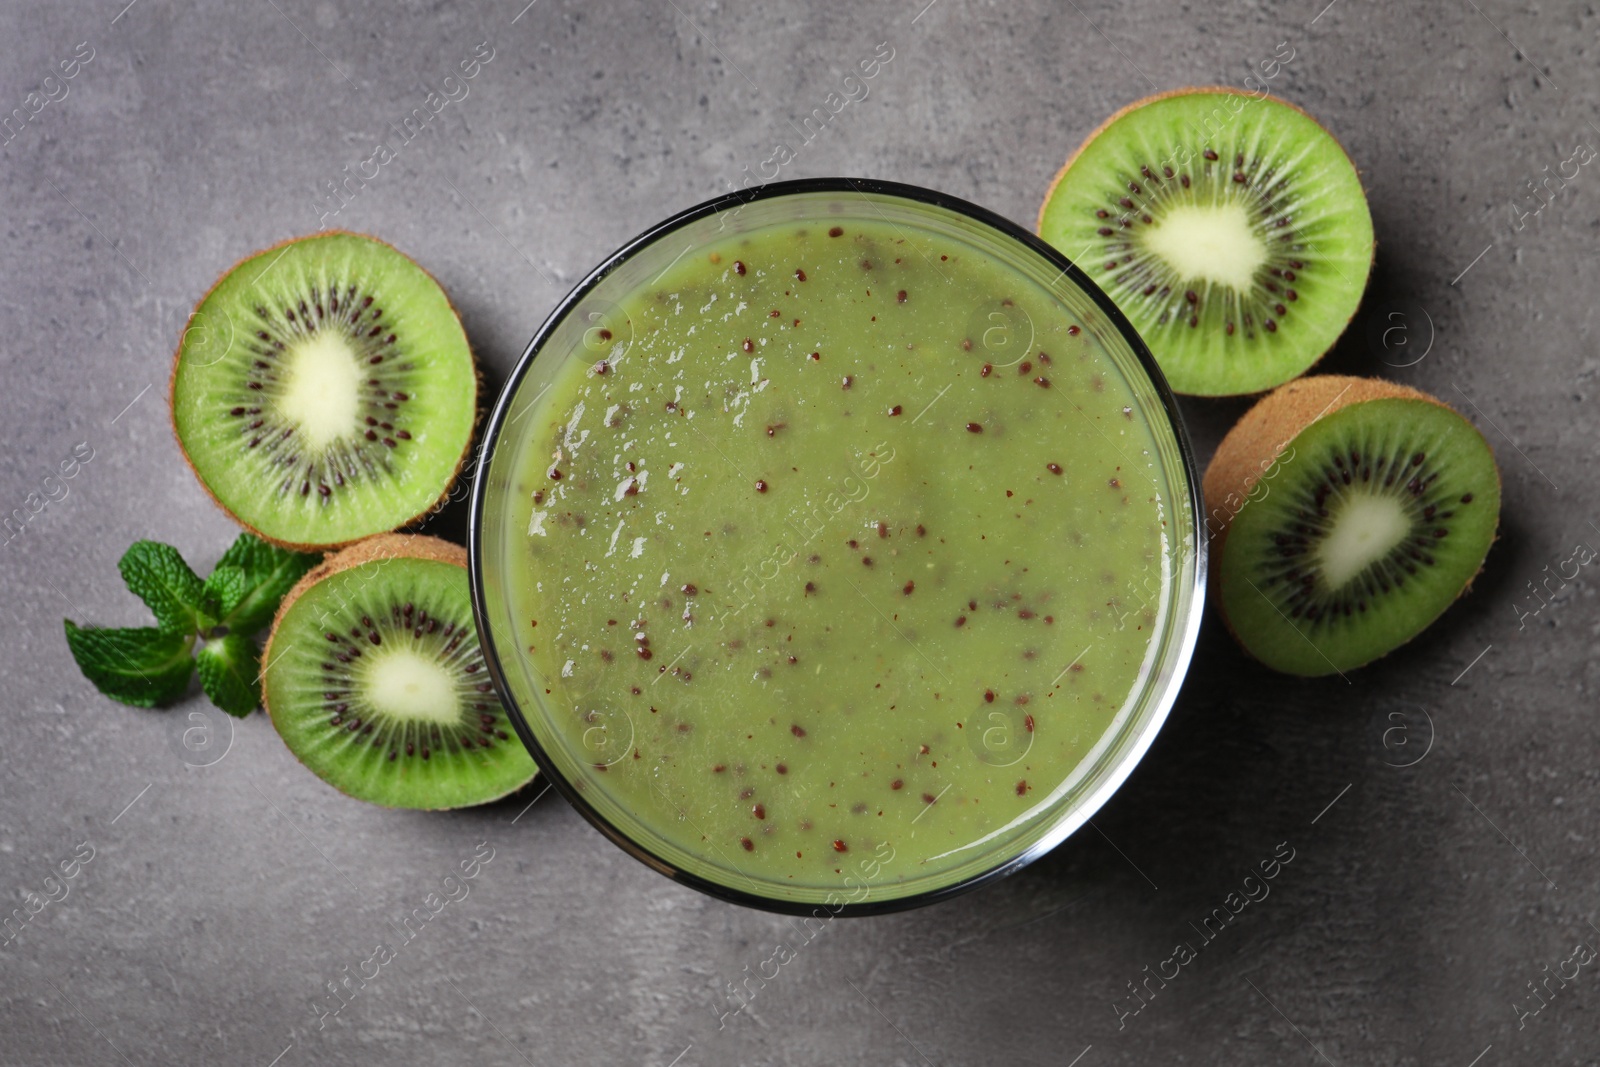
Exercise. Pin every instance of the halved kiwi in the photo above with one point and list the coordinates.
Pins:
(324, 391)
(1348, 514)
(374, 679)
(1231, 229)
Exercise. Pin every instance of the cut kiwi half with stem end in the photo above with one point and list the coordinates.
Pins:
(324, 391)
(1231, 229)
(1348, 514)
(375, 680)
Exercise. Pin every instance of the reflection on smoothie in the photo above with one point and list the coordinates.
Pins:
(843, 559)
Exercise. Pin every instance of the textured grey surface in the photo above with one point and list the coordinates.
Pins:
(216, 906)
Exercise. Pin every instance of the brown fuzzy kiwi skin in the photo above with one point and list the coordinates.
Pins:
(1256, 440)
(377, 547)
(177, 359)
(1220, 90)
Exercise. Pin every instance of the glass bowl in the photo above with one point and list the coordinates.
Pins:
(605, 752)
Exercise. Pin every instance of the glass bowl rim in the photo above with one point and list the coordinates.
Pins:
(1066, 824)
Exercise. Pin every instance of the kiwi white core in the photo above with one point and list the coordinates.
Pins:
(322, 388)
(1209, 242)
(411, 688)
(1364, 531)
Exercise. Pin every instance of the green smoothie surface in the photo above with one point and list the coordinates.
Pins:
(839, 561)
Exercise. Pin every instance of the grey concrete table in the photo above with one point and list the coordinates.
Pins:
(1437, 870)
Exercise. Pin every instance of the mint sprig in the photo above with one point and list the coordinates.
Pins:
(157, 575)
(224, 590)
(230, 673)
(152, 665)
(142, 667)
(268, 573)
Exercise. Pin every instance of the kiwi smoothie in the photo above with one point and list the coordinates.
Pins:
(841, 560)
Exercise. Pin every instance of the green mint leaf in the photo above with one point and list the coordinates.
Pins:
(142, 667)
(269, 573)
(225, 588)
(157, 575)
(230, 673)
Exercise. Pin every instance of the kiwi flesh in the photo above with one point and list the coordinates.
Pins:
(324, 391)
(375, 680)
(1231, 229)
(1348, 514)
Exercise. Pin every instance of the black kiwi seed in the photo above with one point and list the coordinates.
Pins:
(1291, 581)
(1143, 273)
(478, 727)
(349, 459)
